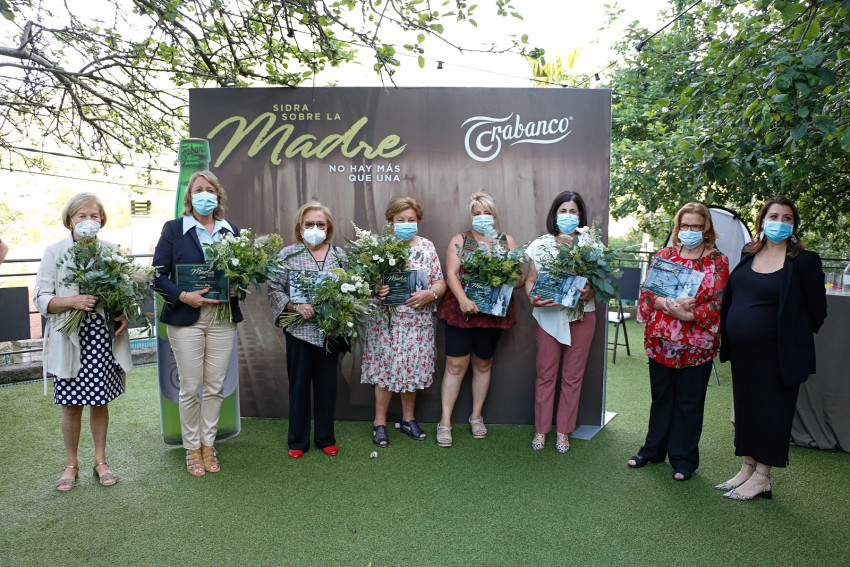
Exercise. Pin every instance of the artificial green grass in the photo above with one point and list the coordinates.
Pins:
(481, 502)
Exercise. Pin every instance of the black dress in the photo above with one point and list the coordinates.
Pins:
(764, 406)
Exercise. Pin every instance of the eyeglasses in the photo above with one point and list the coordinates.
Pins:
(311, 224)
(693, 227)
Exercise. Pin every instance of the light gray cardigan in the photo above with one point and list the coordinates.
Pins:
(61, 353)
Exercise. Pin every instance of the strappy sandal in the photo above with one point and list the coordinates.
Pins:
(479, 430)
(539, 441)
(412, 429)
(444, 435)
(379, 436)
(562, 443)
(210, 462)
(195, 462)
(64, 484)
(106, 479)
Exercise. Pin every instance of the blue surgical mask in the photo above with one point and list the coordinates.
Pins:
(778, 231)
(405, 230)
(567, 223)
(484, 224)
(204, 203)
(690, 238)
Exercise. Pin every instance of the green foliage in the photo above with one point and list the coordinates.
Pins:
(120, 285)
(495, 265)
(103, 84)
(731, 105)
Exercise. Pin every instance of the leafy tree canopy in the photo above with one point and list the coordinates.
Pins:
(108, 79)
(731, 105)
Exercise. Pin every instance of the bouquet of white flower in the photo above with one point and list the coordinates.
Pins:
(372, 255)
(247, 260)
(121, 285)
(342, 306)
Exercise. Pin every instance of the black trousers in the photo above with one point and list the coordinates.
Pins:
(676, 414)
(308, 365)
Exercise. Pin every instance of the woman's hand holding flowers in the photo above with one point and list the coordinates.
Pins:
(305, 310)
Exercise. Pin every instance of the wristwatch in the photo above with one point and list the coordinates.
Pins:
(436, 297)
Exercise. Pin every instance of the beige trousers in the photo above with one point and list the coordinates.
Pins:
(202, 352)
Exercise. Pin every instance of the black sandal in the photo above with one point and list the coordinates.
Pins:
(412, 429)
(379, 436)
(641, 461)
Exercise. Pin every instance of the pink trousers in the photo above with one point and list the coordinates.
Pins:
(572, 359)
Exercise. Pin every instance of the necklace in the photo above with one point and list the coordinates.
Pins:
(320, 264)
(701, 250)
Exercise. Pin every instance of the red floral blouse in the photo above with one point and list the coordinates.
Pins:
(679, 344)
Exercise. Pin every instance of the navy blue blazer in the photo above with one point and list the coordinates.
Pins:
(802, 310)
(174, 248)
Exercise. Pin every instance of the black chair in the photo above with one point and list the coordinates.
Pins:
(629, 285)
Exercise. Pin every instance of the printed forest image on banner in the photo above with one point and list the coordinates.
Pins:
(353, 149)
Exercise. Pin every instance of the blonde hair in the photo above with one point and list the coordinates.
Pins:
(79, 201)
(218, 213)
(708, 234)
(399, 204)
(306, 208)
(484, 199)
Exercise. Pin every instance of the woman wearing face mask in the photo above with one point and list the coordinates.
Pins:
(560, 341)
(308, 362)
(89, 365)
(202, 348)
(773, 305)
(398, 354)
(470, 335)
(681, 339)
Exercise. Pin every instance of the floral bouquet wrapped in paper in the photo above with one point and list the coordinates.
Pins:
(588, 257)
(121, 285)
(247, 260)
(342, 305)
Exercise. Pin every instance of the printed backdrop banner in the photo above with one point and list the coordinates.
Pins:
(353, 149)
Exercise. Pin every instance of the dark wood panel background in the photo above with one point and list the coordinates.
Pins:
(436, 170)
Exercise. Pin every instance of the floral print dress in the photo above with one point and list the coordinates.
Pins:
(679, 344)
(398, 353)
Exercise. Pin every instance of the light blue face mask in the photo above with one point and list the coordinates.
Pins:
(204, 203)
(405, 230)
(567, 223)
(484, 224)
(690, 238)
(778, 231)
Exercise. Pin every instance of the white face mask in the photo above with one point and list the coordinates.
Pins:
(87, 228)
(314, 236)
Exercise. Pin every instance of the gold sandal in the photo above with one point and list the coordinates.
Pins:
(210, 462)
(106, 479)
(64, 484)
(194, 462)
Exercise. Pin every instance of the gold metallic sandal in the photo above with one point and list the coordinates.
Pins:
(65, 484)
(194, 462)
(210, 462)
(106, 479)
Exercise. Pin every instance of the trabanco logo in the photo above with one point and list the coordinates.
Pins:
(486, 135)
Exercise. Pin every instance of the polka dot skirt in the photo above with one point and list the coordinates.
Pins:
(101, 379)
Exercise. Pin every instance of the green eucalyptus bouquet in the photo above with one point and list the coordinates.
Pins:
(342, 304)
(121, 285)
(587, 256)
(247, 260)
(496, 265)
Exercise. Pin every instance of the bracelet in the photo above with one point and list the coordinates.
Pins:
(436, 297)
(181, 296)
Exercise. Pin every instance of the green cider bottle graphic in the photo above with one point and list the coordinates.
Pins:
(193, 155)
